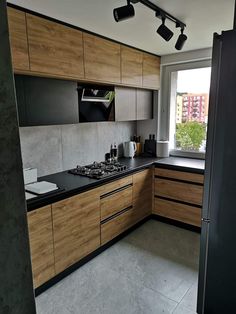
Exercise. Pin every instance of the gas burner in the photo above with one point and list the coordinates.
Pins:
(99, 170)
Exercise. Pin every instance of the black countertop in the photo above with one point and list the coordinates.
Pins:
(71, 184)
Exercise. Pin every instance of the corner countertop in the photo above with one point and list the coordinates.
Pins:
(71, 185)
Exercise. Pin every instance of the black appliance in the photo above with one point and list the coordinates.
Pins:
(96, 103)
(150, 146)
(99, 170)
(217, 270)
(45, 101)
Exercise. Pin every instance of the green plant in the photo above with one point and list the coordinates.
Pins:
(190, 135)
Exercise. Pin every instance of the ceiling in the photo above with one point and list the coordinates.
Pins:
(203, 18)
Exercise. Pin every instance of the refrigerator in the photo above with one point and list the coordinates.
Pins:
(217, 267)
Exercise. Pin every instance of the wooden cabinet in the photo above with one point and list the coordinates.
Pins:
(54, 49)
(112, 228)
(144, 104)
(101, 59)
(181, 191)
(116, 201)
(178, 195)
(18, 39)
(181, 212)
(41, 244)
(76, 225)
(125, 106)
(142, 193)
(131, 66)
(151, 71)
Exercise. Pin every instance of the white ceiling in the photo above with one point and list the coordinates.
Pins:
(203, 18)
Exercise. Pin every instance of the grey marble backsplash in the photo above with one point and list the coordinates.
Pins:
(52, 149)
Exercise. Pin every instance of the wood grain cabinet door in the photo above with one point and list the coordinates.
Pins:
(18, 39)
(131, 66)
(102, 59)
(54, 49)
(142, 193)
(76, 225)
(41, 244)
(151, 71)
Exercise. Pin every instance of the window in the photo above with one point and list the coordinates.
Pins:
(189, 97)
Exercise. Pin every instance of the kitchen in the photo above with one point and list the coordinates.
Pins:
(109, 233)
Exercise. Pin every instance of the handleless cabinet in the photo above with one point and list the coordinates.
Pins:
(151, 71)
(76, 225)
(18, 39)
(101, 59)
(131, 66)
(125, 104)
(54, 49)
(41, 244)
(144, 104)
(142, 193)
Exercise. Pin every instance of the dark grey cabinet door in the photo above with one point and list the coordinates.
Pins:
(125, 104)
(144, 104)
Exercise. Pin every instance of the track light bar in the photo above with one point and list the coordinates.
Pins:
(127, 11)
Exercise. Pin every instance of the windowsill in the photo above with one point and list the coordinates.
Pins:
(187, 154)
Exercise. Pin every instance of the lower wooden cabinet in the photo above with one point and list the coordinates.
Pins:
(117, 225)
(41, 244)
(76, 225)
(178, 195)
(181, 212)
(142, 193)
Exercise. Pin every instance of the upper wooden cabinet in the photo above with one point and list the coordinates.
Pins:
(101, 59)
(125, 104)
(131, 66)
(151, 71)
(41, 244)
(76, 226)
(18, 39)
(54, 48)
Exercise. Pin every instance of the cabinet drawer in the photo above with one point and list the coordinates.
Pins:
(116, 201)
(180, 175)
(107, 188)
(181, 212)
(117, 225)
(185, 192)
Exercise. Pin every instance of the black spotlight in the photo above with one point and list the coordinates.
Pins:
(181, 40)
(124, 13)
(164, 31)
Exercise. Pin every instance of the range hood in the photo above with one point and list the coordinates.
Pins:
(97, 95)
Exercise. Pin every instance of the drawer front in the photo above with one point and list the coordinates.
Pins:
(180, 175)
(116, 202)
(181, 212)
(117, 184)
(185, 192)
(117, 225)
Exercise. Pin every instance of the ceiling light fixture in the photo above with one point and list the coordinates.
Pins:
(124, 13)
(164, 31)
(181, 40)
(127, 11)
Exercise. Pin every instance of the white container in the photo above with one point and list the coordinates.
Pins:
(30, 175)
(162, 149)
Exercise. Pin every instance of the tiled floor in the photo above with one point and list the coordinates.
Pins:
(153, 270)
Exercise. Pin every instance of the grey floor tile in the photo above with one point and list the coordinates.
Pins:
(146, 272)
(125, 296)
(180, 309)
(189, 301)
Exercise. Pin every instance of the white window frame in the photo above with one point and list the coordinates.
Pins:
(165, 112)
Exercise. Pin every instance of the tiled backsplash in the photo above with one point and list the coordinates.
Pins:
(56, 148)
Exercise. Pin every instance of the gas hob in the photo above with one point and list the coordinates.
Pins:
(99, 170)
